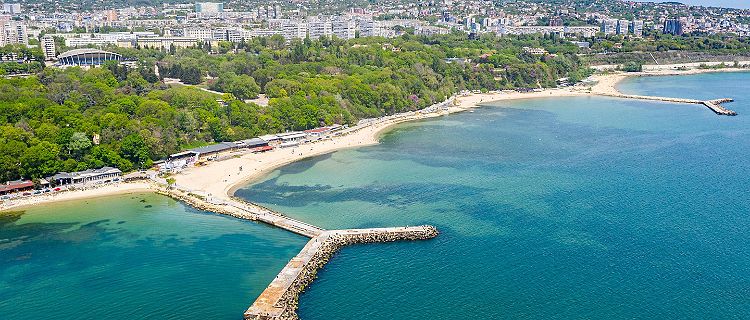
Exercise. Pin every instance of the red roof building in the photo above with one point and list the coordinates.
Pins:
(16, 186)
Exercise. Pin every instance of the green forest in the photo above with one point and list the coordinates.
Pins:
(49, 120)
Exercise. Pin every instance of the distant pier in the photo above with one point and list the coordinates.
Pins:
(713, 105)
(279, 300)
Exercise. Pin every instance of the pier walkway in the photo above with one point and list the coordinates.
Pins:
(713, 105)
(245, 210)
(279, 300)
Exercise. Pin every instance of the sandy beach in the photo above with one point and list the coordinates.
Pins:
(219, 179)
(606, 83)
(103, 191)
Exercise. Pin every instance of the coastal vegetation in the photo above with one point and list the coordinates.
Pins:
(126, 117)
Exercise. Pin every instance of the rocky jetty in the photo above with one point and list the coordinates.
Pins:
(280, 299)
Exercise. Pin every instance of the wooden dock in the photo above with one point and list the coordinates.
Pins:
(713, 105)
(279, 300)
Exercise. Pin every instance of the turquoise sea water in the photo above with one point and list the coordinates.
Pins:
(576, 208)
(573, 208)
(134, 257)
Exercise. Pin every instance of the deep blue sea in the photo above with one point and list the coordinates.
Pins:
(572, 208)
(568, 208)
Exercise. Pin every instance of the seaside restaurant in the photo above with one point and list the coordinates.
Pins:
(271, 139)
(104, 174)
(16, 186)
(211, 152)
(291, 139)
(177, 161)
(251, 143)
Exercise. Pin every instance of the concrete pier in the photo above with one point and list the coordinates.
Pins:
(716, 107)
(280, 299)
(713, 105)
(247, 211)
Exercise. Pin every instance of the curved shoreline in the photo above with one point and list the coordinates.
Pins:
(222, 179)
(211, 180)
(83, 194)
(606, 84)
(217, 181)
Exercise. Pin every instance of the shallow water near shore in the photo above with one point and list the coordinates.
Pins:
(139, 256)
(565, 208)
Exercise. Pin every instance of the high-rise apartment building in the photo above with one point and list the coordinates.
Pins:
(369, 28)
(198, 33)
(343, 28)
(48, 46)
(209, 7)
(293, 29)
(609, 26)
(13, 32)
(636, 28)
(623, 26)
(319, 27)
(673, 26)
(12, 8)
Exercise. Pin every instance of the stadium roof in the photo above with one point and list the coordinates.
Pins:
(76, 52)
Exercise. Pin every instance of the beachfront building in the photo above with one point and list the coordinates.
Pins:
(291, 139)
(211, 152)
(178, 161)
(16, 186)
(251, 143)
(270, 139)
(318, 133)
(101, 175)
(256, 145)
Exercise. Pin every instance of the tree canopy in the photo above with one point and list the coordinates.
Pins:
(49, 119)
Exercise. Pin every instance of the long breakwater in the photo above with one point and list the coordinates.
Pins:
(713, 105)
(279, 301)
